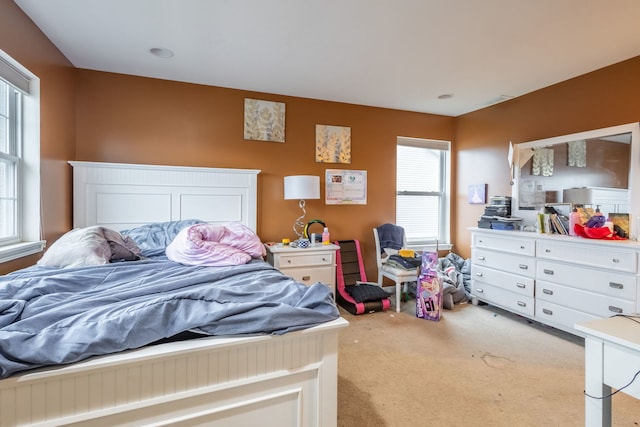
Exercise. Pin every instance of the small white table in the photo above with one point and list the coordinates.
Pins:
(316, 263)
(612, 358)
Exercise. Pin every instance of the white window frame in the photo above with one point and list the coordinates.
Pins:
(29, 240)
(443, 242)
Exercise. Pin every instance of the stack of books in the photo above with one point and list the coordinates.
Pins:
(553, 222)
(497, 214)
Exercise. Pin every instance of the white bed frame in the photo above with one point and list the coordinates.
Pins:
(265, 380)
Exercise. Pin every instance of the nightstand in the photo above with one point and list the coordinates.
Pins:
(309, 265)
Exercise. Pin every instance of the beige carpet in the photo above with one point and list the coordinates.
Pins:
(478, 366)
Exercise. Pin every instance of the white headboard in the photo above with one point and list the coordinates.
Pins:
(121, 196)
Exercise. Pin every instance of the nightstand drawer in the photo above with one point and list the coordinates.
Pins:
(309, 276)
(301, 260)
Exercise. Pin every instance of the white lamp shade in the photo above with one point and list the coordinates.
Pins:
(301, 187)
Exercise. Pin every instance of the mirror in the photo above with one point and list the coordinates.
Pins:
(594, 168)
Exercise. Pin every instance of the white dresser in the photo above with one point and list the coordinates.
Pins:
(556, 280)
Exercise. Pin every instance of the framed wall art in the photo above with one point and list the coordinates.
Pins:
(477, 194)
(263, 120)
(333, 144)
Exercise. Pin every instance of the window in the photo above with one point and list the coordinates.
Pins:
(422, 185)
(19, 161)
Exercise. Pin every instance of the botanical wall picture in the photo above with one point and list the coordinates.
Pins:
(333, 144)
(263, 120)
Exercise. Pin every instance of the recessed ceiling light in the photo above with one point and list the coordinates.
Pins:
(445, 96)
(161, 52)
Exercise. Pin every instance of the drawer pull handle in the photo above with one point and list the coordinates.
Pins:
(479, 290)
(615, 260)
(548, 251)
(521, 285)
(547, 291)
(522, 246)
(480, 241)
(549, 272)
(523, 267)
(479, 274)
(288, 261)
(547, 311)
(616, 285)
(306, 278)
(615, 309)
(522, 303)
(481, 258)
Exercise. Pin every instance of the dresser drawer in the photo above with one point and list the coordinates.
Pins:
(301, 260)
(517, 264)
(508, 300)
(617, 285)
(507, 244)
(512, 282)
(309, 276)
(588, 302)
(592, 256)
(560, 316)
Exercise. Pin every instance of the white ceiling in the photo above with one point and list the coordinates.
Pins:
(399, 54)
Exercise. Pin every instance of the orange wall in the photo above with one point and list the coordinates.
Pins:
(94, 116)
(130, 119)
(24, 42)
(606, 97)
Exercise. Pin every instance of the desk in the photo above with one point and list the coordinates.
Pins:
(612, 358)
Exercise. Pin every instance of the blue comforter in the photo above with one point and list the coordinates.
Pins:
(54, 316)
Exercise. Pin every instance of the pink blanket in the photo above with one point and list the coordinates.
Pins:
(215, 245)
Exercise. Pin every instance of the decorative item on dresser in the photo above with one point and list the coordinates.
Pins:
(554, 279)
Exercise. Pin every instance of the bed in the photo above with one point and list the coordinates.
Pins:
(287, 377)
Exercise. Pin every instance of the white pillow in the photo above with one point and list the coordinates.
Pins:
(78, 247)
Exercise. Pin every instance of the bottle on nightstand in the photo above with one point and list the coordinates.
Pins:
(325, 236)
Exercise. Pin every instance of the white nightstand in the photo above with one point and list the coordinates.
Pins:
(309, 265)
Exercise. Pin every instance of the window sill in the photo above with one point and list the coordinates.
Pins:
(431, 247)
(19, 250)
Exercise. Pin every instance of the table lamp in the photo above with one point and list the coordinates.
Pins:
(301, 187)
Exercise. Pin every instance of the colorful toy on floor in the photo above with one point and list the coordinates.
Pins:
(429, 304)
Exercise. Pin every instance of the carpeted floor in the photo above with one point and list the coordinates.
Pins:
(477, 366)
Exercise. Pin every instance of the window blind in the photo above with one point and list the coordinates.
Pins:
(12, 75)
